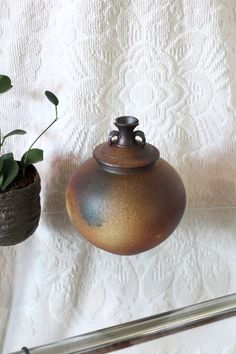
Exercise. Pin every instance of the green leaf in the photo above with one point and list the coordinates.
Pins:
(8, 156)
(15, 132)
(52, 98)
(5, 83)
(1, 180)
(31, 157)
(10, 171)
(1, 163)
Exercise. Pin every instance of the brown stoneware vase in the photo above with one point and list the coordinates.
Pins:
(20, 211)
(125, 199)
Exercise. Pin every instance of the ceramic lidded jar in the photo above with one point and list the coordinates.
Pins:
(125, 199)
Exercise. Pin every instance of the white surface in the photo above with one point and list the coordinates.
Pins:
(171, 64)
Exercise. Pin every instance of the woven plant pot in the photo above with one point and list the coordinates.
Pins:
(20, 212)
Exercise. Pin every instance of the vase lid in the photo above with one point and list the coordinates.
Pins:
(126, 148)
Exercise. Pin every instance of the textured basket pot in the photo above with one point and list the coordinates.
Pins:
(20, 212)
(125, 199)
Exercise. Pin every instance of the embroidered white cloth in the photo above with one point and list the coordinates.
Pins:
(172, 65)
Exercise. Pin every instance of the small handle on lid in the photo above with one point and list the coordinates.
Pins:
(141, 134)
(113, 133)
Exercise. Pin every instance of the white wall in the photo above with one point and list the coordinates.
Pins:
(171, 64)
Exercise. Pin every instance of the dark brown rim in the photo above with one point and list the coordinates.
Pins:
(126, 121)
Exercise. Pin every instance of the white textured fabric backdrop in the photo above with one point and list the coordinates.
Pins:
(173, 65)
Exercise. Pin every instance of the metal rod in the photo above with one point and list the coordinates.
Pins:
(142, 330)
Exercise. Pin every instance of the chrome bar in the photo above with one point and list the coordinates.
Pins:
(142, 330)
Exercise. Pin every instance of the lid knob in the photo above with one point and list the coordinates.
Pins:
(125, 135)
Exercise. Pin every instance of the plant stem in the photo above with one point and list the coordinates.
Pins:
(43, 132)
(2, 140)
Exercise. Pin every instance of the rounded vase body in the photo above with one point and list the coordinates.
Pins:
(125, 210)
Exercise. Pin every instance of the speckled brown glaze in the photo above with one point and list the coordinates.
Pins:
(125, 210)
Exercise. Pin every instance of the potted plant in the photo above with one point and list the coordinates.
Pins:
(20, 183)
